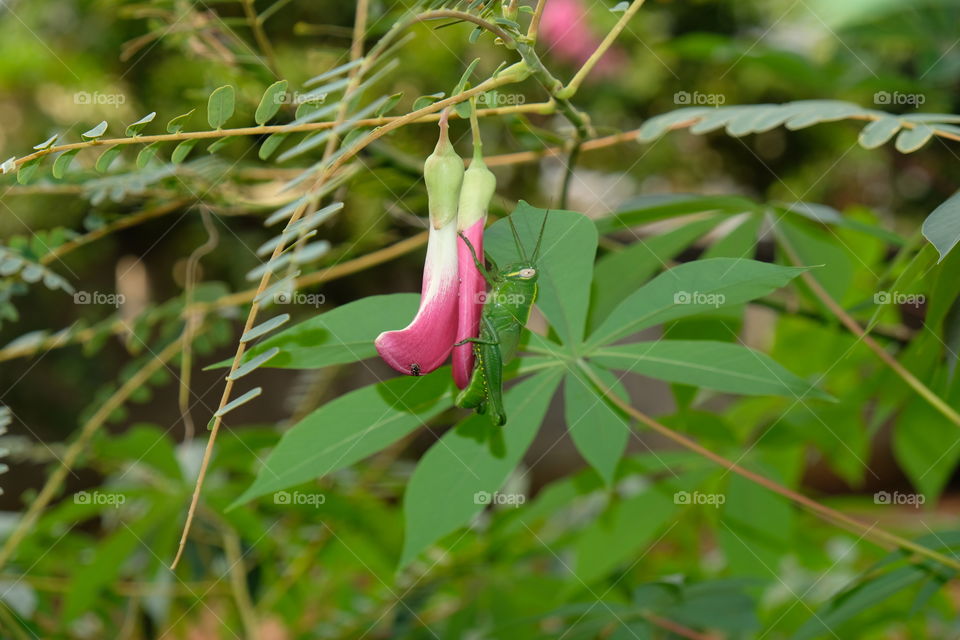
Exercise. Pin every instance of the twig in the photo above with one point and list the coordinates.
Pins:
(263, 42)
(56, 479)
(121, 223)
(238, 583)
(191, 322)
(854, 327)
(534, 29)
(874, 533)
(581, 75)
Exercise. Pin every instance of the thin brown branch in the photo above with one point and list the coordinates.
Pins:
(871, 532)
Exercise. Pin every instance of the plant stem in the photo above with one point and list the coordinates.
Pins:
(854, 327)
(826, 513)
(263, 42)
(534, 29)
(97, 420)
(581, 75)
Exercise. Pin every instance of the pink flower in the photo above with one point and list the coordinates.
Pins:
(472, 288)
(426, 342)
(479, 185)
(565, 29)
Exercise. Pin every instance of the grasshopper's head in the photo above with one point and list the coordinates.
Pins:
(526, 269)
(520, 272)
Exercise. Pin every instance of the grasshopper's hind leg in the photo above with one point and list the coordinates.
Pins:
(474, 395)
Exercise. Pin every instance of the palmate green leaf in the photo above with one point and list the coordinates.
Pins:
(599, 431)
(942, 227)
(690, 289)
(565, 262)
(350, 428)
(342, 335)
(618, 274)
(723, 366)
(220, 106)
(475, 457)
(645, 209)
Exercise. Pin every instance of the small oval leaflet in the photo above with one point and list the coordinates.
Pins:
(237, 402)
(910, 140)
(271, 102)
(107, 157)
(220, 106)
(96, 132)
(265, 327)
(62, 163)
(135, 128)
(176, 124)
(248, 367)
(879, 132)
(182, 150)
(47, 143)
(146, 154)
(280, 286)
(270, 145)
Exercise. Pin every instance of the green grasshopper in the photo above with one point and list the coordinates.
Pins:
(513, 290)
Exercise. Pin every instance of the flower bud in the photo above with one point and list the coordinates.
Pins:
(479, 185)
(443, 175)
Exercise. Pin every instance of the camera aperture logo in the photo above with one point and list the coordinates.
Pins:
(898, 498)
(497, 498)
(899, 98)
(298, 498)
(315, 300)
(686, 497)
(112, 99)
(899, 298)
(699, 99)
(99, 297)
(99, 497)
(501, 298)
(714, 300)
(500, 99)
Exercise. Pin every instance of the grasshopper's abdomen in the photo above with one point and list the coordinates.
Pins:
(508, 309)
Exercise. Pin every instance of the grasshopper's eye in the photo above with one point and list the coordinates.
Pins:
(527, 273)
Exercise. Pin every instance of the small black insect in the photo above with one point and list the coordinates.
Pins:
(415, 369)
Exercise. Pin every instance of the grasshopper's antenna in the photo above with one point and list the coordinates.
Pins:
(516, 238)
(543, 226)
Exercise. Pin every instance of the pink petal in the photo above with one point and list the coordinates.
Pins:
(472, 290)
(427, 341)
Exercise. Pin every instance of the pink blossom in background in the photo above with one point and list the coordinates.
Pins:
(566, 32)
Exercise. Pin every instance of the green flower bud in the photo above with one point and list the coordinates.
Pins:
(443, 175)
(479, 185)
